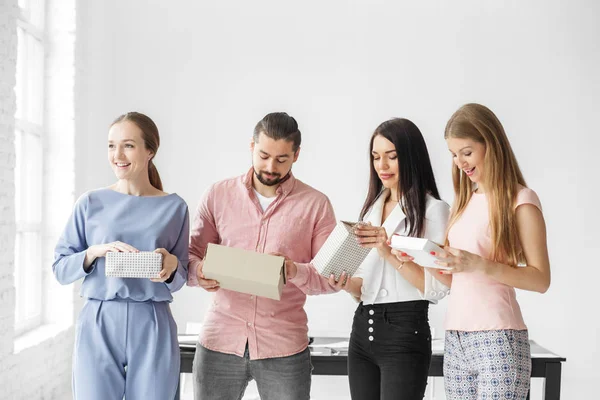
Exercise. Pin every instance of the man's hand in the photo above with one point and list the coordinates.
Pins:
(341, 284)
(291, 269)
(210, 285)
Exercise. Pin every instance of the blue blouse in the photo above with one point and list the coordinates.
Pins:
(146, 223)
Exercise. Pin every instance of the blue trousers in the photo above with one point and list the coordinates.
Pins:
(220, 376)
(125, 348)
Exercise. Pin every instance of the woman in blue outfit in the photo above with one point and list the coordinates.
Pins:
(126, 338)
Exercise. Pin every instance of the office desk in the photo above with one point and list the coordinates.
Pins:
(544, 363)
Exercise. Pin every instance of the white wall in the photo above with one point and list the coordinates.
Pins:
(206, 72)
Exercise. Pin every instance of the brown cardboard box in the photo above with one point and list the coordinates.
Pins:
(245, 271)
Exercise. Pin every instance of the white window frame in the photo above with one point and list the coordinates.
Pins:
(29, 172)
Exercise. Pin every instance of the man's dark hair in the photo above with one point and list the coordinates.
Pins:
(279, 125)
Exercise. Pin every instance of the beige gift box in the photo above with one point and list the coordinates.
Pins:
(245, 271)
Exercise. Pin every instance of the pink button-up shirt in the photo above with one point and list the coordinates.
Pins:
(296, 224)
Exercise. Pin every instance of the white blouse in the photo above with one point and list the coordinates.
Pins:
(382, 283)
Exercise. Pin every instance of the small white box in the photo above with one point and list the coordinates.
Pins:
(145, 264)
(340, 252)
(419, 248)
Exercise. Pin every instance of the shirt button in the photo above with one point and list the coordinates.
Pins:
(371, 338)
(370, 329)
(433, 293)
(370, 322)
(383, 292)
(249, 323)
(272, 314)
(448, 292)
(371, 312)
(252, 297)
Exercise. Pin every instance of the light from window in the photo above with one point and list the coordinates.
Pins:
(29, 137)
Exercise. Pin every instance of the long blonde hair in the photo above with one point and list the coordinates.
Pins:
(501, 175)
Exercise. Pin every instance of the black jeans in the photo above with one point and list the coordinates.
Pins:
(390, 351)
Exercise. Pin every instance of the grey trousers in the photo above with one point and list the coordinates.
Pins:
(220, 376)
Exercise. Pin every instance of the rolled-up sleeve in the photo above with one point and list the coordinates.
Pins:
(308, 279)
(203, 232)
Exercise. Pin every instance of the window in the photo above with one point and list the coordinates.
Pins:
(29, 144)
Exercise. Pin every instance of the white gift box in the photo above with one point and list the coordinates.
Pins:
(145, 264)
(418, 248)
(340, 252)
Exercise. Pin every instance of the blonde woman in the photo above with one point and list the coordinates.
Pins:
(496, 242)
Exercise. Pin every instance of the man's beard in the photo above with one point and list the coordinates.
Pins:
(269, 182)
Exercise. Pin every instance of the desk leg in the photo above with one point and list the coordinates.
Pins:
(529, 394)
(552, 382)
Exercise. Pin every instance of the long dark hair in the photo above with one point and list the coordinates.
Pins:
(151, 140)
(415, 179)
